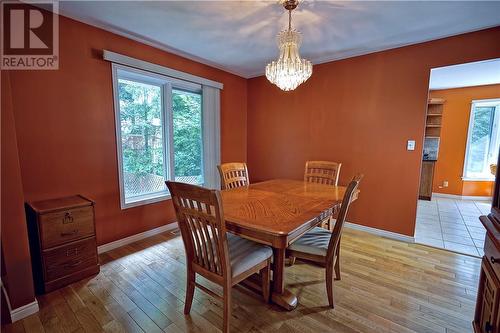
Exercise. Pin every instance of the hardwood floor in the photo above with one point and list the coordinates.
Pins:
(386, 286)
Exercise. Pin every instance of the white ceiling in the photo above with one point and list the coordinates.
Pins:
(466, 75)
(239, 36)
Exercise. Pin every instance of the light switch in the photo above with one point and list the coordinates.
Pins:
(410, 145)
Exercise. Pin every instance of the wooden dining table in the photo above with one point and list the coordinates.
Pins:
(276, 213)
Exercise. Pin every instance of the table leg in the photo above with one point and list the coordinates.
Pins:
(280, 295)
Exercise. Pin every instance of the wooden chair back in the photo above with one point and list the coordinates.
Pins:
(322, 172)
(233, 175)
(201, 221)
(344, 207)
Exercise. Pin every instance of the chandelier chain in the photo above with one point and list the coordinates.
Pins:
(289, 19)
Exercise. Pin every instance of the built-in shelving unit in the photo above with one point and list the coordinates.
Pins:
(433, 124)
(434, 117)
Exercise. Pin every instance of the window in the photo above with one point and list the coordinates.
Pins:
(142, 129)
(483, 140)
(188, 146)
(162, 134)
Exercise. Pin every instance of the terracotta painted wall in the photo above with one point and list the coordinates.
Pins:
(359, 111)
(16, 261)
(66, 132)
(456, 115)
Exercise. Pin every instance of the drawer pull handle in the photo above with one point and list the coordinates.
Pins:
(494, 260)
(73, 264)
(68, 218)
(488, 327)
(71, 252)
(69, 233)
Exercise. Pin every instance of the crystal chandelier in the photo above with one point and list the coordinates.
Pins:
(289, 71)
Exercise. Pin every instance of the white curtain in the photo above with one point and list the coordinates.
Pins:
(211, 135)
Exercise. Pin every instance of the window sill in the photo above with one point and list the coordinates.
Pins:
(479, 179)
(145, 200)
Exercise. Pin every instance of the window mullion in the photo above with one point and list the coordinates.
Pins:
(495, 133)
(169, 128)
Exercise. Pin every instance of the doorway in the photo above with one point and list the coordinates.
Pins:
(461, 145)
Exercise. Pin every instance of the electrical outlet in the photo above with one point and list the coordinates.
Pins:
(445, 183)
(410, 145)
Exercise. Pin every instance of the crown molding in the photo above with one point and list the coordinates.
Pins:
(359, 53)
(144, 40)
(316, 61)
(464, 86)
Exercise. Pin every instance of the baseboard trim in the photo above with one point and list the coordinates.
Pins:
(380, 232)
(134, 238)
(24, 311)
(461, 197)
(172, 226)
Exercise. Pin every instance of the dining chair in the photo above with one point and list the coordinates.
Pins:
(211, 252)
(322, 246)
(233, 175)
(323, 172)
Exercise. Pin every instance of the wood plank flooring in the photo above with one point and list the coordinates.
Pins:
(386, 286)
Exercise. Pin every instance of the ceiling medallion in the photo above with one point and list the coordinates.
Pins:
(289, 71)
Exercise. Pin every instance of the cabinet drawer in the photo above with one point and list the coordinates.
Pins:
(487, 317)
(70, 258)
(60, 227)
(490, 251)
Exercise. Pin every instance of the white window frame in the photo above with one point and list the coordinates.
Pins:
(496, 121)
(210, 130)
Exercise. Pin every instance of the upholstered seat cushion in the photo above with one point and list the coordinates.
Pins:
(314, 241)
(245, 254)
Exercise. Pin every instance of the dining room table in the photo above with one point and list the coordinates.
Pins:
(276, 213)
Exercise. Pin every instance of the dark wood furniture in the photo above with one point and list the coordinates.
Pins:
(487, 315)
(62, 241)
(276, 213)
(426, 179)
(233, 175)
(221, 258)
(322, 246)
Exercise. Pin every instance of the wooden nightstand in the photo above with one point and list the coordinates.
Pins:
(62, 241)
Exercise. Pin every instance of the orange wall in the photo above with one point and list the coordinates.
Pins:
(16, 264)
(456, 115)
(359, 111)
(66, 132)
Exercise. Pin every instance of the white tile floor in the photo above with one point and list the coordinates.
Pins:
(452, 224)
